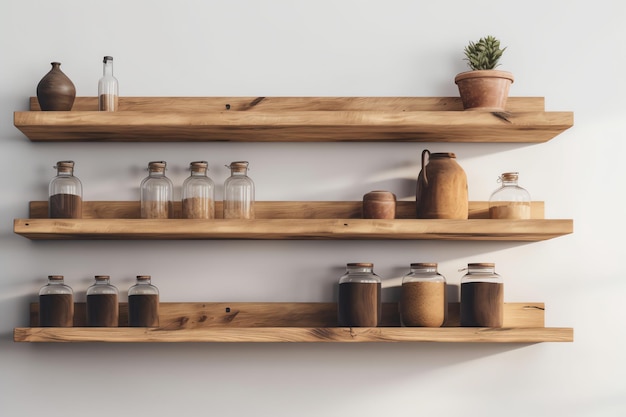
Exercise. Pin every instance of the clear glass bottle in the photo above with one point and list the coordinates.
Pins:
(198, 201)
(102, 303)
(65, 193)
(56, 303)
(108, 89)
(482, 296)
(143, 303)
(423, 296)
(510, 201)
(360, 302)
(238, 192)
(156, 193)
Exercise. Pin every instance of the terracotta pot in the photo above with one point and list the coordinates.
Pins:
(484, 90)
(441, 188)
(55, 91)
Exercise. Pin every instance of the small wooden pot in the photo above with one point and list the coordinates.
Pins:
(379, 205)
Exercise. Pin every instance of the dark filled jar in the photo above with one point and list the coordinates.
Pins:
(482, 296)
(65, 193)
(56, 303)
(143, 303)
(360, 302)
(102, 303)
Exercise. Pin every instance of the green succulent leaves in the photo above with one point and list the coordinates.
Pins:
(484, 54)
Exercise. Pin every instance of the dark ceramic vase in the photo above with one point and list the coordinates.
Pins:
(56, 92)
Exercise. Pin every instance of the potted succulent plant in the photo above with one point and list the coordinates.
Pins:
(484, 88)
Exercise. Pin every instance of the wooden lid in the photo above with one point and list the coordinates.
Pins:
(362, 264)
(424, 265)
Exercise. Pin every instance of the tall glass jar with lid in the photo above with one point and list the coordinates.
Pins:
(143, 303)
(198, 193)
(423, 296)
(65, 193)
(510, 201)
(108, 87)
(156, 193)
(102, 303)
(360, 302)
(239, 192)
(482, 296)
(56, 303)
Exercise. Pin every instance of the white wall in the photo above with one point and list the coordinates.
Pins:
(321, 48)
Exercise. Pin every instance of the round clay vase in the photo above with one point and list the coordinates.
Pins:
(484, 90)
(55, 91)
(441, 188)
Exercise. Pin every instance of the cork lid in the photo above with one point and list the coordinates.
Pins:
(361, 264)
(157, 166)
(143, 277)
(199, 166)
(379, 195)
(509, 176)
(65, 166)
(238, 166)
(55, 277)
(423, 265)
(481, 265)
(101, 277)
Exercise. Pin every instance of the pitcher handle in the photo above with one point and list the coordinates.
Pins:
(424, 177)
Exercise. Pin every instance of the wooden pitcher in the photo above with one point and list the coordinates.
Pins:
(441, 187)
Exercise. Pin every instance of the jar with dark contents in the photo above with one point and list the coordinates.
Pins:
(102, 303)
(379, 205)
(360, 296)
(143, 303)
(482, 296)
(65, 193)
(56, 303)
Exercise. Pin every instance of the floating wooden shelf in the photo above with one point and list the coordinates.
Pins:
(294, 119)
(287, 220)
(293, 322)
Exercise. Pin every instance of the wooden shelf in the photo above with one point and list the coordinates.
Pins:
(293, 322)
(287, 220)
(294, 119)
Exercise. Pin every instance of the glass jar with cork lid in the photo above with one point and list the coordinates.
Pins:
(510, 201)
(198, 193)
(360, 296)
(238, 192)
(56, 303)
(156, 193)
(65, 193)
(482, 296)
(143, 303)
(423, 296)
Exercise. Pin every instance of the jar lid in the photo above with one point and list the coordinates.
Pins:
(442, 155)
(101, 277)
(202, 164)
(379, 195)
(143, 277)
(424, 265)
(107, 58)
(69, 164)
(481, 265)
(509, 176)
(362, 264)
(55, 277)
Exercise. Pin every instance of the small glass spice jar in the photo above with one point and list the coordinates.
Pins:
(482, 296)
(143, 303)
(423, 296)
(102, 303)
(360, 302)
(156, 193)
(379, 205)
(510, 201)
(238, 192)
(198, 193)
(65, 193)
(56, 303)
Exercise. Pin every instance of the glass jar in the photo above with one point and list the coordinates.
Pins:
(56, 303)
(156, 193)
(482, 296)
(423, 296)
(360, 303)
(379, 205)
(102, 303)
(143, 303)
(238, 192)
(65, 193)
(510, 201)
(198, 193)
(108, 89)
